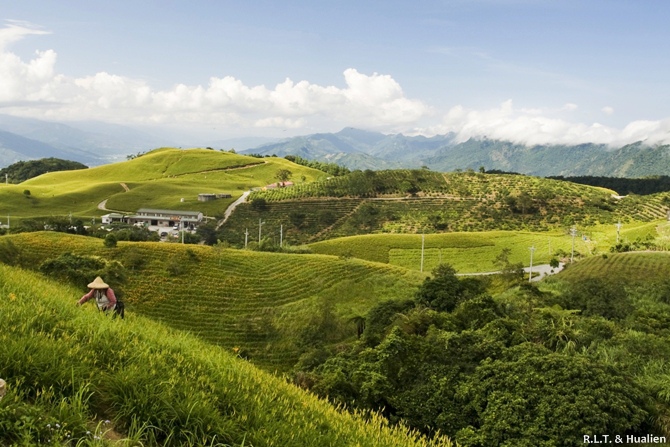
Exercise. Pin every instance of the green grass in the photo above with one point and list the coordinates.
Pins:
(257, 302)
(69, 368)
(632, 267)
(466, 252)
(159, 179)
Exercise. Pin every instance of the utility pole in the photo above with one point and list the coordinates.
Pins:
(530, 271)
(181, 225)
(573, 232)
(618, 229)
(260, 224)
(246, 237)
(423, 239)
(281, 235)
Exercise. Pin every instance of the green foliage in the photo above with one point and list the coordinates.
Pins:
(533, 397)
(111, 240)
(24, 170)
(80, 270)
(283, 175)
(74, 374)
(444, 291)
(330, 168)
(10, 254)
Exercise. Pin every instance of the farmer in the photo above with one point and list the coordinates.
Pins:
(103, 294)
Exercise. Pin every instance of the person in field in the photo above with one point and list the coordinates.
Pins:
(104, 296)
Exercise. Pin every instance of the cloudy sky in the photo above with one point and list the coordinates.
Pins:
(533, 71)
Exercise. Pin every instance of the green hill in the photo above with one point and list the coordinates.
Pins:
(421, 201)
(636, 267)
(158, 179)
(262, 304)
(77, 377)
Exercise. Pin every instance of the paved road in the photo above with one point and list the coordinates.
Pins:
(232, 207)
(542, 269)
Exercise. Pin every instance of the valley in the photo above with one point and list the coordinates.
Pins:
(346, 286)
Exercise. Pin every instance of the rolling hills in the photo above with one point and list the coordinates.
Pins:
(158, 179)
(256, 302)
(75, 376)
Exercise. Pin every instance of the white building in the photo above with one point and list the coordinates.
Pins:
(165, 218)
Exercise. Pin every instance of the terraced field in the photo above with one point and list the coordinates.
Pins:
(375, 202)
(633, 267)
(466, 252)
(254, 302)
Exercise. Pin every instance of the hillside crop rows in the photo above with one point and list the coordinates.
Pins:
(68, 369)
(635, 267)
(253, 302)
(404, 201)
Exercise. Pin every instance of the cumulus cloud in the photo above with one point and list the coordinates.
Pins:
(533, 128)
(374, 100)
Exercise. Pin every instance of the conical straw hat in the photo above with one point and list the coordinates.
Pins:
(98, 283)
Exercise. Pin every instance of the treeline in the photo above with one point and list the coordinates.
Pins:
(624, 186)
(524, 368)
(330, 168)
(24, 170)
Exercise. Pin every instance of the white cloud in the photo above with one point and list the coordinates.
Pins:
(365, 100)
(374, 101)
(529, 127)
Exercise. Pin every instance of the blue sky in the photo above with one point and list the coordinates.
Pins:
(533, 71)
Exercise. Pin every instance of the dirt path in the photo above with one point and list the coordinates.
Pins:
(542, 269)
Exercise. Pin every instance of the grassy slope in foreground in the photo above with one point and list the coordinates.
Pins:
(158, 179)
(258, 302)
(137, 372)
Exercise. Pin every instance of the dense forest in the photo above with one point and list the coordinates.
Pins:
(525, 367)
(24, 170)
(624, 186)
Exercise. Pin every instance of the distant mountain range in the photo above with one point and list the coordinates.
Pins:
(96, 143)
(358, 149)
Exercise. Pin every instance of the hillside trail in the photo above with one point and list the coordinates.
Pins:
(544, 270)
(231, 208)
(103, 205)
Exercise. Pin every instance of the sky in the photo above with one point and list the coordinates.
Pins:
(528, 71)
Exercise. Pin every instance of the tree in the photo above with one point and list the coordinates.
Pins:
(283, 175)
(534, 397)
(444, 291)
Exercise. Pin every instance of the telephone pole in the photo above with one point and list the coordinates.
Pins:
(618, 229)
(530, 270)
(246, 237)
(573, 232)
(260, 224)
(423, 239)
(281, 235)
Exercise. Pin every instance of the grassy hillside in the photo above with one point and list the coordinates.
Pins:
(76, 377)
(430, 202)
(632, 267)
(258, 303)
(158, 179)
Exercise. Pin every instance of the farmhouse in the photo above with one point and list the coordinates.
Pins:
(207, 197)
(113, 217)
(165, 218)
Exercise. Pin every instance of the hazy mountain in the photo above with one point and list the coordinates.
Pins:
(15, 148)
(92, 143)
(358, 149)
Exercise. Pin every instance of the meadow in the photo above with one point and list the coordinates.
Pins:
(158, 179)
(78, 377)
